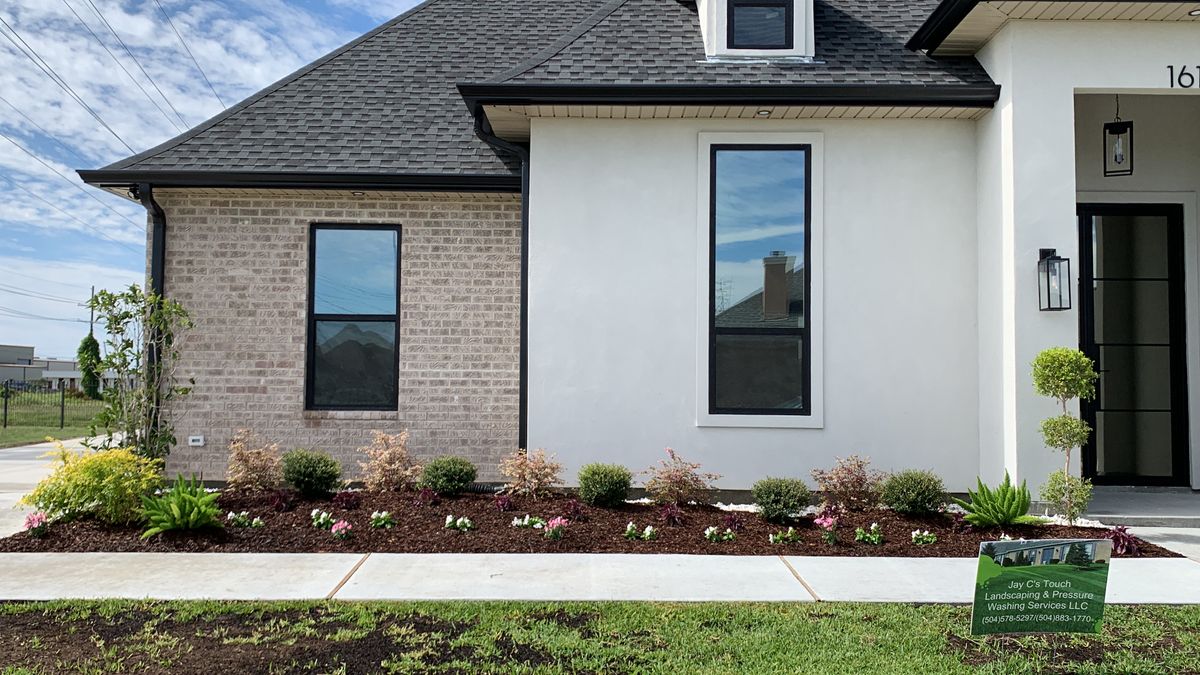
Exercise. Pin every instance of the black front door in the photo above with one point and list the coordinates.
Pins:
(1132, 326)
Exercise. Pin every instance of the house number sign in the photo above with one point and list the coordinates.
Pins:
(1184, 77)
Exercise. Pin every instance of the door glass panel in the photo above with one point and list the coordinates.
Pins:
(1134, 443)
(1130, 247)
(1135, 378)
(1132, 312)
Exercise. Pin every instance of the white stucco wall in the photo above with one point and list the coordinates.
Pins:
(1029, 201)
(613, 310)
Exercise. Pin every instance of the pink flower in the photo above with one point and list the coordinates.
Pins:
(826, 522)
(556, 522)
(341, 529)
(36, 521)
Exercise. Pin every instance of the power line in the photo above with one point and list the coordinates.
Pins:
(117, 61)
(19, 314)
(77, 186)
(133, 56)
(49, 71)
(16, 290)
(39, 127)
(72, 216)
(189, 52)
(30, 277)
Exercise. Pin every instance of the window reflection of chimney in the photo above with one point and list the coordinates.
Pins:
(775, 285)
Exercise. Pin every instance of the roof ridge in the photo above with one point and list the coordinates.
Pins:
(263, 93)
(556, 47)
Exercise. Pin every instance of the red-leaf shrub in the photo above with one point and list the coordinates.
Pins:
(850, 483)
(677, 481)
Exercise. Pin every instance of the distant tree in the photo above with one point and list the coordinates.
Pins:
(1022, 559)
(989, 550)
(89, 366)
(1077, 555)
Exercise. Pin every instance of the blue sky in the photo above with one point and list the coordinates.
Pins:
(760, 208)
(58, 237)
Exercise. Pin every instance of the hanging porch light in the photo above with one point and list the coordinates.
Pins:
(1118, 145)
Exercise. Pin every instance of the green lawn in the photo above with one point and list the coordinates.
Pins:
(321, 637)
(13, 436)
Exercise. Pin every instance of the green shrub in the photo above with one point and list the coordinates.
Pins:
(1006, 505)
(913, 492)
(604, 484)
(1069, 494)
(186, 506)
(106, 484)
(448, 475)
(778, 498)
(311, 473)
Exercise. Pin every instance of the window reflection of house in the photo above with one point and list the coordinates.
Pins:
(1042, 553)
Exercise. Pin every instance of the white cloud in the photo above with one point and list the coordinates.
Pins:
(243, 45)
(729, 236)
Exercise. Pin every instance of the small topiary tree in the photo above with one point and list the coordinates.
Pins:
(1065, 374)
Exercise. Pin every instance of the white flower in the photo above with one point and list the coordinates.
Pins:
(315, 512)
(450, 521)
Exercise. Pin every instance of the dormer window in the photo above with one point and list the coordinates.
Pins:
(757, 29)
(760, 24)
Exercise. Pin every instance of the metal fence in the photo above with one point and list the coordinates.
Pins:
(42, 404)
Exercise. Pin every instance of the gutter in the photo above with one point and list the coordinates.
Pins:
(299, 180)
(945, 18)
(959, 96)
(483, 129)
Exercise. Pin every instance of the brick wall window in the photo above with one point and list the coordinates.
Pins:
(353, 312)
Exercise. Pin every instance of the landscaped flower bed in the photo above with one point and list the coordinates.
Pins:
(421, 528)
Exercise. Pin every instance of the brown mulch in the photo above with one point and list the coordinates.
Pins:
(419, 529)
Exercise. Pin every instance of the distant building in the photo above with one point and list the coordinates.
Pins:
(19, 363)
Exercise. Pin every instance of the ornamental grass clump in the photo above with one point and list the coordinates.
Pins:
(106, 484)
(389, 467)
(780, 498)
(254, 465)
(677, 481)
(1066, 374)
(530, 474)
(447, 475)
(913, 492)
(604, 484)
(850, 484)
(312, 473)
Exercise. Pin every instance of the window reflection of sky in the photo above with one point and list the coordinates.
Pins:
(356, 271)
(760, 198)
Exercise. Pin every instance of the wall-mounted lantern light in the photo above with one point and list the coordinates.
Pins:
(1118, 146)
(1054, 281)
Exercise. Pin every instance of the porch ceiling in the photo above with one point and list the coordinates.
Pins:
(987, 18)
(512, 121)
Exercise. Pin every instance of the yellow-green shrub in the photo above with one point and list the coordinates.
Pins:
(106, 484)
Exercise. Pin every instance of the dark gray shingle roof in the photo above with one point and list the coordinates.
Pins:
(387, 103)
(384, 103)
(659, 42)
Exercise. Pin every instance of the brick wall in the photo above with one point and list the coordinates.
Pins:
(237, 260)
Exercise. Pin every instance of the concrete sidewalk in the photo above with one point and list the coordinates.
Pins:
(20, 469)
(683, 578)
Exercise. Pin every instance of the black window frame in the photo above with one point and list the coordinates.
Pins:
(805, 333)
(314, 317)
(789, 7)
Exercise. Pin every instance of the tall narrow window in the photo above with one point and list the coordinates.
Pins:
(760, 283)
(760, 24)
(353, 307)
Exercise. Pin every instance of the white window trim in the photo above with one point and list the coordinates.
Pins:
(716, 15)
(815, 310)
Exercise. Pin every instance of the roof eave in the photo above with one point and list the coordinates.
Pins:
(940, 24)
(967, 96)
(123, 178)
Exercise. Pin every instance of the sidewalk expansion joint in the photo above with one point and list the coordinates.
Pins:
(799, 578)
(347, 577)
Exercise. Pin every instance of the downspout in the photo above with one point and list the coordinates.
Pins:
(144, 193)
(483, 129)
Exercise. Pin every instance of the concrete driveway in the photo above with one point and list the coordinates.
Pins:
(20, 469)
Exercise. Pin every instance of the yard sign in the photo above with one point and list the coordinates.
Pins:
(1041, 586)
